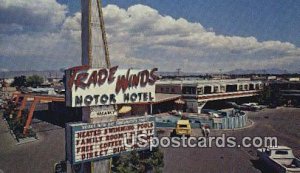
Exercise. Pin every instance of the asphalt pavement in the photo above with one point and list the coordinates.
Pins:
(41, 155)
(283, 123)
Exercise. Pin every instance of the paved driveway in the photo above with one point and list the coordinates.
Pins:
(282, 123)
(40, 156)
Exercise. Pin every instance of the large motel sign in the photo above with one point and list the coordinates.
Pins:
(95, 141)
(98, 88)
(102, 86)
(98, 91)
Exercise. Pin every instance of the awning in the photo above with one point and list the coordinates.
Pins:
(125, 109)
(179, 101)
(161, 97)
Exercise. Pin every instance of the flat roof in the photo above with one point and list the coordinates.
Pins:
(209, 82)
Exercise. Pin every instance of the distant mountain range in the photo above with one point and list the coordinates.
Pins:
(236, 72)
(180, 74)
(45, 74)
(59, 74)
(261, 71)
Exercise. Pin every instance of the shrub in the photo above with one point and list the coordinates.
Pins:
(139, 162)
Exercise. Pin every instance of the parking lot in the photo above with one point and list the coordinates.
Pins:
(283, 123)
(40, 156)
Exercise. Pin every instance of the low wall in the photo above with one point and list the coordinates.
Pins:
(226, 122)
(229, 122)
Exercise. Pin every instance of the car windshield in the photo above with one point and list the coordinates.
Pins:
(182, 126)
(281, 152)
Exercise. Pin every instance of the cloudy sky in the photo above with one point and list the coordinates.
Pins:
(195, 35)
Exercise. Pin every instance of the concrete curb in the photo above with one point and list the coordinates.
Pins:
(26, 140)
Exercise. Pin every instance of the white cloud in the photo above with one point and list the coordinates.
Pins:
(172, 43)
(37, 15)
(138, 37)
(3, 70)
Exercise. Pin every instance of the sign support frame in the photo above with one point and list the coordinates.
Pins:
(88, 59)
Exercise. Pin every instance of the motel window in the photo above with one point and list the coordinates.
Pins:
(189, 90)
(240, 87)
(251, 87)
(184, 90)
(216, 89)
(207, 89)
(222, 88)
(172, 90)
(193, 90)
(200, 91)
(162, 89)
(167, 90)
(231, 88)
(246, 87)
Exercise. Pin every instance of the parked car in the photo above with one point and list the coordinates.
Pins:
(234, 105)
(247, 106)
(279, 159)
(253, 105)
(183, 128)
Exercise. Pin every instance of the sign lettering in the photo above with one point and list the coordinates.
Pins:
(90, 142)
(91, 87)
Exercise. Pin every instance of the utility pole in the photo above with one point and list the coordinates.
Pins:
(178, 71)
(221, 74)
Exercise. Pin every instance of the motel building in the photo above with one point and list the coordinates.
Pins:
(186, 95)
(54, 107)
(196, 93)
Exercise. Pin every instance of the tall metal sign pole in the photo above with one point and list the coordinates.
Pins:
(98, 88)
(95, 54)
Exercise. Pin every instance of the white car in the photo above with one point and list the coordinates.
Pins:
(279, 159)
(253, 105)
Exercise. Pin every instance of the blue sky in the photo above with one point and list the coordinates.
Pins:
(194, 35)
(263, 19)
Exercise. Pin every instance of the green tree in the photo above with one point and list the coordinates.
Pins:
(34, 81)
(156, 160)
(139, 162)
(19, 81)
(271, 95)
